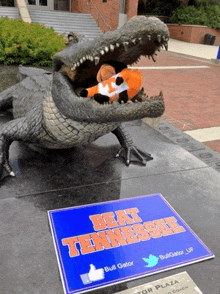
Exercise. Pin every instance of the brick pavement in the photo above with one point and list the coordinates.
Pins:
(192, 96)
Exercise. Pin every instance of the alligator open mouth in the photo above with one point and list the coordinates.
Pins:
(79, 62)
(53, 115)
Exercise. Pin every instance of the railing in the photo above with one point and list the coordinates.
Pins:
(99, 14)
(23, 10)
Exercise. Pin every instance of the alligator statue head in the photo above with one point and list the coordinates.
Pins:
(78, 64)
(48, 110)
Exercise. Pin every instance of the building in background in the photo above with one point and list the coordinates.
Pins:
(108, 14)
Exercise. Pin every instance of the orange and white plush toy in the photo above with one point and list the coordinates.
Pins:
(122, 86)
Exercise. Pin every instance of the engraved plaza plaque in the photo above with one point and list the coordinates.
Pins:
(180, 283)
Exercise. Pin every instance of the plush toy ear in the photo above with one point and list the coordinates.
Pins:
(105, 72)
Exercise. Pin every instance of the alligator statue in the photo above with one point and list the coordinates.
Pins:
(48, 110)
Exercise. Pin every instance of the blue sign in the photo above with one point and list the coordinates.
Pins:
(107, 243)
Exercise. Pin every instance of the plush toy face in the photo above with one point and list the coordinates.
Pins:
(115, 81)
(105, 72)
(128, 82)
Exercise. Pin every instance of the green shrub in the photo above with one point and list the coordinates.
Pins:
(204, 2)
(24, 43)
(206, 15)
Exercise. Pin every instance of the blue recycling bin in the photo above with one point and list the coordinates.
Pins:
(218, 55)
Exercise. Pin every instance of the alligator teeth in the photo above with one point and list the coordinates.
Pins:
(117, 45)
(154, 57)
(91, 58)
(158, 49)
(149, 37)
(97, 60)
(106, 49)
(134, 41)
(140, 40)
(102, 52)
(166, 46)
(112, 47)
(78, 64)
(159, 38)
(81, 60)
(73, 68)
(126, 45)
(84, 58)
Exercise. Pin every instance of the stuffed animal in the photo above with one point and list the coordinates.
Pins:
(105, 72)
(123, 85)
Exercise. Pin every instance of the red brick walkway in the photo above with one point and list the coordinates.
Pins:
(192, 96)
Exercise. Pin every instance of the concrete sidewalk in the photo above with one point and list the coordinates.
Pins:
(192, 49)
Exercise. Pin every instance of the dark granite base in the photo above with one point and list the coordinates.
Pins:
(50, 180)
(201, 151)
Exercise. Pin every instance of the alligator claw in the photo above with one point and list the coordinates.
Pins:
(6, 170)
(137, 153)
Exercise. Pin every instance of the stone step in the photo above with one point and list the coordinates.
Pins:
(10, 12)
(65, 22)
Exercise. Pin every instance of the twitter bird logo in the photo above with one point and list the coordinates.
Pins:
(151, 261)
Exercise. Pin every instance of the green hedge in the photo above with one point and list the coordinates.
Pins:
(24, 43)
(206, 15)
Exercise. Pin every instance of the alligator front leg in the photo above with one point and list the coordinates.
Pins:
(128, 146)
(14, 130)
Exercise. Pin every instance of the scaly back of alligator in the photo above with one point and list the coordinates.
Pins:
(35, 84)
